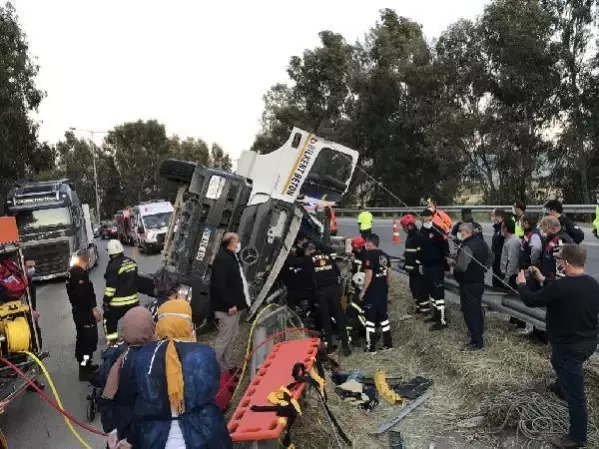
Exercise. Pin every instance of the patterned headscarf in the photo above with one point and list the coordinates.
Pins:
(175, 323)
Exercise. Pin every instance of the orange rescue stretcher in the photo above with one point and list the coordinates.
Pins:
(276, 371)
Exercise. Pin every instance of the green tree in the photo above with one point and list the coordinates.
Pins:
(394, 111)
(500, 78)
(190, 149)
(575, 30)
(220, 159)
(317, 100)
(75, 162)
(20, 155)
(138, 149)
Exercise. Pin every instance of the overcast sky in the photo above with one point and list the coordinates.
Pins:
(199, 67)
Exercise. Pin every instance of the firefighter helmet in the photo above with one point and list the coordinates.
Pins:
(358, 242)
(408, 220)
(114, 247)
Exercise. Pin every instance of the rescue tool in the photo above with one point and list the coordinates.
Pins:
(18, 332)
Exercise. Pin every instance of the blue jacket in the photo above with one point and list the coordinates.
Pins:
(202, 425)
(116, 413)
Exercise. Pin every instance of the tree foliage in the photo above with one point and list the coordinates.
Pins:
(20, 152)
(505, 105)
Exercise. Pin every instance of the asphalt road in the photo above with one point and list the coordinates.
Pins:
(29, 422)
(384, 229)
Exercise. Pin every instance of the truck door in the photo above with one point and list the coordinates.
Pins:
(78, 229)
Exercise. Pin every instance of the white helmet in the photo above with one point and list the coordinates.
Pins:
(114, 247)
(358, 279)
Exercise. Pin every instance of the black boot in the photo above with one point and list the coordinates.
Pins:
(346, 349)
(431, 318)
(85, 375)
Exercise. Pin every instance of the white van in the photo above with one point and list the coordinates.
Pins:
(150, 222)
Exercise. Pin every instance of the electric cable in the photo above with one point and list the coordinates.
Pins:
(44, 396)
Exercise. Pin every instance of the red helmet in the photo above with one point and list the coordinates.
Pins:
(407, 220)
(358, 242)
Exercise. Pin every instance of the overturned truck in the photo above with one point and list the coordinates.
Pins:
(263, 202)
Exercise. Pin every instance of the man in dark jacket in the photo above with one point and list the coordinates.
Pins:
(433, 256)
(297, 277)
(325, 275)
(413, 266)
(466, 218)
(498, 216)
(554, 237)
(471, 265)
(554, 208)
(85, 315)
(229, 296)
(572, 304)
(532, 242)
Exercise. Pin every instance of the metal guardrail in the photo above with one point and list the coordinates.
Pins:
(387, 211)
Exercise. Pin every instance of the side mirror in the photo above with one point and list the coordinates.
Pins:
(140, 230)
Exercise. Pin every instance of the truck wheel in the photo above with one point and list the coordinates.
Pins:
(177, 171)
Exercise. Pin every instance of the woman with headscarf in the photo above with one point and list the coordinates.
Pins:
(176, 381)
(116, 375)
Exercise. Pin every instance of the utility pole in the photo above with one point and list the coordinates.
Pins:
(93, 150)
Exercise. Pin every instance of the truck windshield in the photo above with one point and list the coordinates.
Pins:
(329, 176)
(157, 221)
(35, 220)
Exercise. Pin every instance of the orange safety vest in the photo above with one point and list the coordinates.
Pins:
(441, 220)
(333, 223)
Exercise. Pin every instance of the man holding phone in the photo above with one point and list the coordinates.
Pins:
(572, 303)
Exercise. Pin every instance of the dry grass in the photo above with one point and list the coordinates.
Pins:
(481, 385)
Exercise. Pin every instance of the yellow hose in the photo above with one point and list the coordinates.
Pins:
(57, 397)
(18, 334)
(249, 348)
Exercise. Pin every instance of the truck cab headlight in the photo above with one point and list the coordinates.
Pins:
(151, 236)
(184, 292)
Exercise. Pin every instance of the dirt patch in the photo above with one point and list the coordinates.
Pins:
(495, 398)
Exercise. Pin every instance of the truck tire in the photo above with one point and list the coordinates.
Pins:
(177, 171)
(180, 253)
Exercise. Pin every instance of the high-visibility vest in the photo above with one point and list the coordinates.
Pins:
(519, 228)
(441, 220)
(596, 221)
(365, 220)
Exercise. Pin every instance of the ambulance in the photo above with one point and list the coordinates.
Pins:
(149, 222)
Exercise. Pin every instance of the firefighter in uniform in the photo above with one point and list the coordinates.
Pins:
(413, 265)
(328, 296)
(120, 293)
(354, 314)
(85, 315)
(434, 251)
(297, 278)
(374, 294)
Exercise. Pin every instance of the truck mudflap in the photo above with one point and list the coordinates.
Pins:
(279, 262)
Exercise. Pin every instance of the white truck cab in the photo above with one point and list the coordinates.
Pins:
(150, 222)
(305, 166)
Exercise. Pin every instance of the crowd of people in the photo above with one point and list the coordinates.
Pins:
(159, 385)
(535, 258)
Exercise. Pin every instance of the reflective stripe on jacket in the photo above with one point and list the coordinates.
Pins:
(121, 283)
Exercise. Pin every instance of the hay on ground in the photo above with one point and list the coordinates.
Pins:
(497, 397)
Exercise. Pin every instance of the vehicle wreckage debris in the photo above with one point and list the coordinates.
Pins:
(402, 414)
